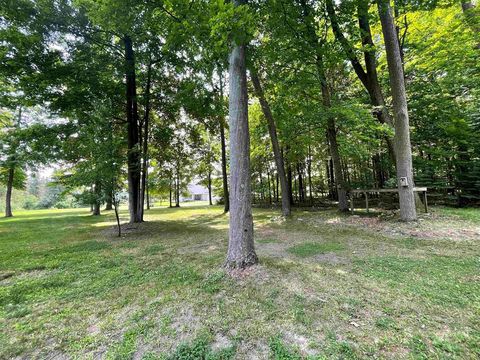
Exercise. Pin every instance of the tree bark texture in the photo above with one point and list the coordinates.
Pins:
(400, 108)
(241, 250)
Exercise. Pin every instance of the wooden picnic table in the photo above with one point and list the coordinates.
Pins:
(375, 191)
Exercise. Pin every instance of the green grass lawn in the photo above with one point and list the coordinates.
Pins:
(327, 286)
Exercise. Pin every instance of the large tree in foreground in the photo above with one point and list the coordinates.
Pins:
(402, 131)
(241, 251)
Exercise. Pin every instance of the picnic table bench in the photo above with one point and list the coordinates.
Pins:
(375, 191)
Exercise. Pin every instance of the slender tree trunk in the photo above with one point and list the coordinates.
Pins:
(337, 166)
(274, 193)
(402, 130)
(241, 250)
(277, 183)
(117, 217)
(8, 197)
(262, 193)
(147, 189)
(132, 129)
(334, 152)
(301, 191)
(170, 188)
(177, 189)
(269, 188)
(277, 154)
(146, 124)
(329, 181)
(309, 174)
(290, 183)
(210, 188)
(254, 189)
(332, 178)
(226, 197)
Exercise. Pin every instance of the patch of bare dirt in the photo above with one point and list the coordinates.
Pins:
(253, 350)
(428, 226)
(221, 342)
(257, 272)
(301, 342)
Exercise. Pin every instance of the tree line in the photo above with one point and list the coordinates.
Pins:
(275, 101)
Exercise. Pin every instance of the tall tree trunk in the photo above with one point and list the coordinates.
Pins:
(8, 197)
(402, 130)
(241, 250)
(146, 124)
(277, 154)
(226, 197)
(132, 129)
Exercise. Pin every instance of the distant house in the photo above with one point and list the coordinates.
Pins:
(196, 192)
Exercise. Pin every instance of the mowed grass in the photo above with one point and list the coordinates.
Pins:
(325, 288)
